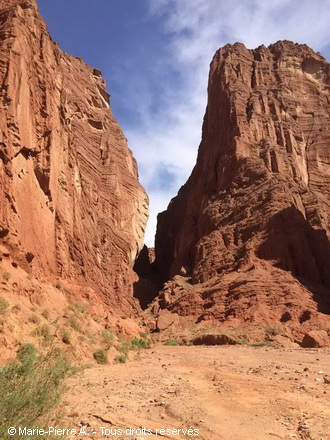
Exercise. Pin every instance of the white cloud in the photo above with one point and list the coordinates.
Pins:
(197, 28)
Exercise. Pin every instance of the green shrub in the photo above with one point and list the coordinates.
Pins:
(43, 332)
(34, 318)
(4, 304)
(121, 358)
(141, 343)
(262, 344)
(31, 388)
(108, 338)
(172, 342)
(76, 307)
(101, 357)
(272, 331)
(121, 337)
(124, 348)
(75, 324)
(242, 341)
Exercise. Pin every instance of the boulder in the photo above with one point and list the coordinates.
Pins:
(166, 319)
(316, 339)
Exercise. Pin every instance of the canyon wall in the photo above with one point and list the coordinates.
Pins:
(250, 229)
(71, 206)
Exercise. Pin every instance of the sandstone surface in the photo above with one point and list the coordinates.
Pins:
(166, 319)
(316, 339)
(71, 206)
(248, 234)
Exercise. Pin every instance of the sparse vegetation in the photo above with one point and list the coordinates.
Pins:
(172, 342)
(43, 332)
(108, 338)
(141, 343)
(133, 344)
(121, 358)
(59, 285)
(120, 337)
(76, 307)
(16, 308)
(4, 305)
(101, 356)
(45, 313)
(6, 276)
(75, 324)
(124, 348)
(31, 388)
(34, 319)
(262, 344)
(66, 336)
(272, 331)
(242, 341)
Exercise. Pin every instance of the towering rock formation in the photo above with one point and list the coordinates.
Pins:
(71, 205)
(251, 226)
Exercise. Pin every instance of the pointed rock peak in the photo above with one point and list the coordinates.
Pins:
(256, 245)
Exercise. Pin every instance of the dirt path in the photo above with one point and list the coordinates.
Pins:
(227, 393)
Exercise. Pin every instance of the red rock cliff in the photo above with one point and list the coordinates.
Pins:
(70, 202)
(252, 224)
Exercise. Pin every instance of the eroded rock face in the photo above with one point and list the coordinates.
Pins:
(251, 226)
(70, 203)
(316, 339)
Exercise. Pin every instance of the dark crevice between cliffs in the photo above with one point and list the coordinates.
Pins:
(147, 288)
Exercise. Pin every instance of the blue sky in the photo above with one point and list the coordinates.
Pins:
(155, 55)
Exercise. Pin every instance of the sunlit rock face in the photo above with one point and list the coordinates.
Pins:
(251, 226)
(70, 196)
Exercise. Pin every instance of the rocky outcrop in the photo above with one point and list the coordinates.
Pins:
(71, 205)
(249, 231)
(316, 339)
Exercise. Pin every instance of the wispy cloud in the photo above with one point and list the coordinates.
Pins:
(166, 141)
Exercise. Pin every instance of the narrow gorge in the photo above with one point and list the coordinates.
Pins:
(244, 244)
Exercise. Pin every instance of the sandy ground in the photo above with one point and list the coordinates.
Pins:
(227, 392)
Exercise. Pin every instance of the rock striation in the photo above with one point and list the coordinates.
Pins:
(71, 205)
(247, 237)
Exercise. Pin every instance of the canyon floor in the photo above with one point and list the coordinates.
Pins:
(226, 392)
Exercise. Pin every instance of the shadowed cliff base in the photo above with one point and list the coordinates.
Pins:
(148, 285)
(294, 246)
